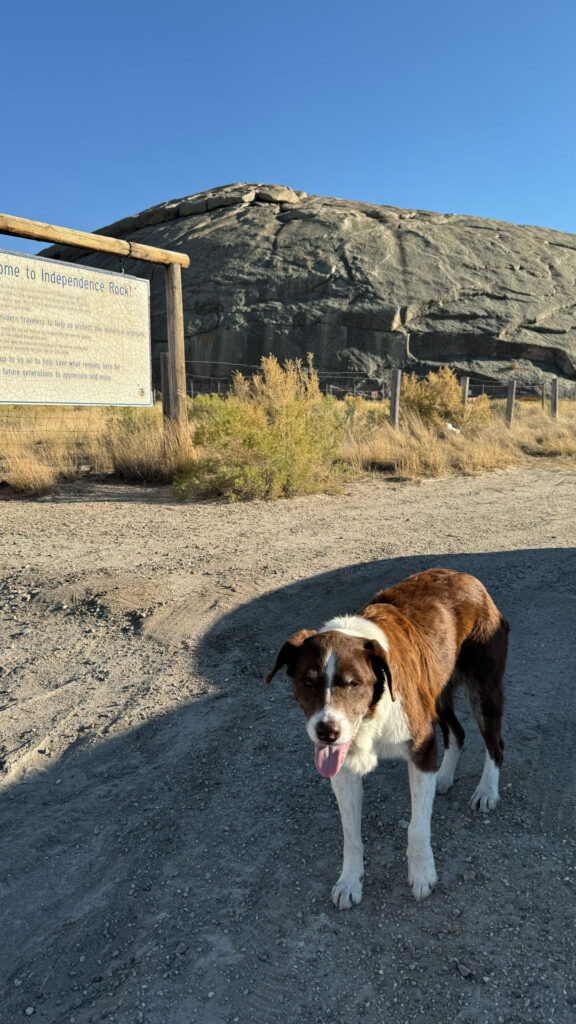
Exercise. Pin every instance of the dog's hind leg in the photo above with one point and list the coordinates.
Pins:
(453, 736)
(347, 786)
(484, 685)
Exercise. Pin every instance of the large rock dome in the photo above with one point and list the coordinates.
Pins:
(361, 286)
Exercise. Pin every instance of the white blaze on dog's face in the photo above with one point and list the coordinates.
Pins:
(338, 680)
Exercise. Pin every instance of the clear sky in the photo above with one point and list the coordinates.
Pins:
(462, 106)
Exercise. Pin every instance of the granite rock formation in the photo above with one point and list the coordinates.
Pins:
(361, 286)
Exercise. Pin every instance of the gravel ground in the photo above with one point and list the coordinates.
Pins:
(168, 847)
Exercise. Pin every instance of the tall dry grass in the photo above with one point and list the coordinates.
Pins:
(423, 449)
(276, 435)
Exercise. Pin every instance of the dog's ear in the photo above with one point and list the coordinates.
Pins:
(289, 652)
(381, 668)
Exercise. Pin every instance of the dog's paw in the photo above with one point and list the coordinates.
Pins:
(422, 876)
(444, 782)
(485, 798)
(347, 892)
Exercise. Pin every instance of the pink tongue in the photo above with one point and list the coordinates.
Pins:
(329, 760)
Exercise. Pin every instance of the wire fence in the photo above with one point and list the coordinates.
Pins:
(22, 426)
(359, 383)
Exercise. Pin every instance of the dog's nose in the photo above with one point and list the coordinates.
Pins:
(327, 732)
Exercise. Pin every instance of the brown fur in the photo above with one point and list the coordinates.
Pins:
(443, 629)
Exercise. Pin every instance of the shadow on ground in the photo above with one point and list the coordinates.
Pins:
(181, 873)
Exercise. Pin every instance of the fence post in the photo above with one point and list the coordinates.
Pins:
(165, 386)
(176, 352)
(543, 394)
(554, 399)
(510, 401)
(395, 398)
(465, 386)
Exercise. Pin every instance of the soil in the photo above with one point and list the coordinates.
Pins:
(168, 848)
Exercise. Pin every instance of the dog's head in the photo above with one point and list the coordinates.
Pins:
(338, 680)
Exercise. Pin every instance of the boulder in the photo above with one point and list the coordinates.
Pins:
(276, 270)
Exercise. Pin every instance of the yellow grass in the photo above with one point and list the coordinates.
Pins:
(276, 435)
(419, 449)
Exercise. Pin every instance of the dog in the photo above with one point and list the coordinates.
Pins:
(373, 685)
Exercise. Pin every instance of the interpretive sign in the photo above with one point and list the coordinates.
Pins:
(72, 335)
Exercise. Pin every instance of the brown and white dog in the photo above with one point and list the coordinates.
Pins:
(373, 684)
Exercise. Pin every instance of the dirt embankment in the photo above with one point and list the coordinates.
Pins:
(168, 849)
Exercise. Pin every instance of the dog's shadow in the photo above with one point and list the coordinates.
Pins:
(209, 827)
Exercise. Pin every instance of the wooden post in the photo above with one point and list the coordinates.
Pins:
(543, 394)
(510, 401)
(465, 386)
(165, 386)
(554, 399)
(176, 352)
(395, 398)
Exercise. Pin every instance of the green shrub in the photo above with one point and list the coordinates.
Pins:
(274, 435)
(438, 400)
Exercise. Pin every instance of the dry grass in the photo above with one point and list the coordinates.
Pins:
(420, 449)
(29, 475)
(276, 435)
(136, 446)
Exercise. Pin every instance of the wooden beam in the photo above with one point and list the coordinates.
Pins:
(85, 240)
(176, 352)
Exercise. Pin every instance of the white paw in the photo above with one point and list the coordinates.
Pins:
(347, 892)
(444, 782)
(422, 876)
(485, 798)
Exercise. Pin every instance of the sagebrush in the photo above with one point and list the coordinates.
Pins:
(275, 435)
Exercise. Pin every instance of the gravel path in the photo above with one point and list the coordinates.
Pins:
(168, 847)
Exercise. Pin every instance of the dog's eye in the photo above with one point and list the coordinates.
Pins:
(350, 684)
(311, 683)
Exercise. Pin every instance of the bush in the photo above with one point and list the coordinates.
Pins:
(438, 400)
(275, 435)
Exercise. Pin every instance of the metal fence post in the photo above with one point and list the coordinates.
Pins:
(465, 386)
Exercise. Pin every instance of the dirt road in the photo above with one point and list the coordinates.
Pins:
(168, 848)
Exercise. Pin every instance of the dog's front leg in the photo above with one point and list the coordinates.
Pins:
(347, 786)
(421, 868)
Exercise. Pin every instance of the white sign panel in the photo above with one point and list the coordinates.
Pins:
(72, 335)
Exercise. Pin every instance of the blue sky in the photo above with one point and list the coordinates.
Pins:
(458, 106)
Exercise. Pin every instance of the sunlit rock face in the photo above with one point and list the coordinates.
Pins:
(360, 286)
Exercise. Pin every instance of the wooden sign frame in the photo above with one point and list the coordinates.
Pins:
(175, 408)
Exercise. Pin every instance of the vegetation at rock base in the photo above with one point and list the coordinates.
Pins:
(276, 435)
